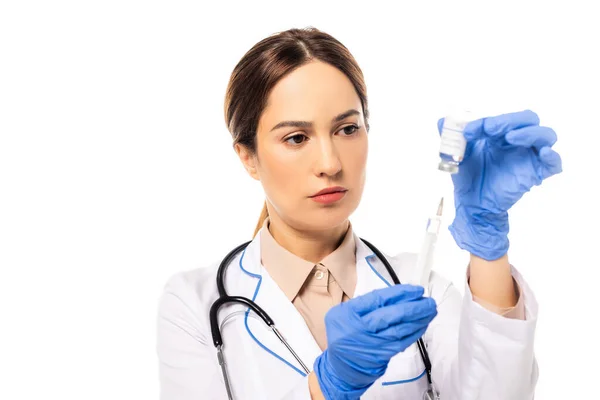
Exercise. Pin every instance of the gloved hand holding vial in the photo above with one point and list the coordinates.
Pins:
(493, 162)
(501, 157)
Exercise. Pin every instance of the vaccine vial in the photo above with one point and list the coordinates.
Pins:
(452, 141)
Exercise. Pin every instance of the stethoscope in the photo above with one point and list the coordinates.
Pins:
(430, 394)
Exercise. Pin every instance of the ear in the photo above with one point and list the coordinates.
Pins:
(248, 159)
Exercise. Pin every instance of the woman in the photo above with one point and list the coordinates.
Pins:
(296, 106)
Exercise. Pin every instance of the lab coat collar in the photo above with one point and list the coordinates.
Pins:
(371, 273)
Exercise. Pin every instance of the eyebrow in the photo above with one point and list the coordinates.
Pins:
(306, 124)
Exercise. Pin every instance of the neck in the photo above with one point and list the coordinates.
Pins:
(311, 246)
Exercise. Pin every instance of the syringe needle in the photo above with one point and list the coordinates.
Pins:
(425, 257)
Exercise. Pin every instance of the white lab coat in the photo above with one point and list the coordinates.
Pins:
(475, 353)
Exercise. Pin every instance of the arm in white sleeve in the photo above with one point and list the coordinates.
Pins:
(479, 354)
(188, 367)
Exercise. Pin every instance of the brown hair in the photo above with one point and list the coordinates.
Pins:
(265, 64)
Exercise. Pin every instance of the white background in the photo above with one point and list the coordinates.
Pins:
(117, 171)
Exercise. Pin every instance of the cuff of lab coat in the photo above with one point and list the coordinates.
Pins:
(516, 312)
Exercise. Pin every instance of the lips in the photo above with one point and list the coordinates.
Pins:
(330, 190)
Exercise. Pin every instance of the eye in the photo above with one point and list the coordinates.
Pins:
(296, 139)
(353, 129)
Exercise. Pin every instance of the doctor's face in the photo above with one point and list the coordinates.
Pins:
(312, 137)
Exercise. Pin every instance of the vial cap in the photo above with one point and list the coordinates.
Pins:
(448, 167)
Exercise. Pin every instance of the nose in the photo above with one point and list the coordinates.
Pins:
(328, 160)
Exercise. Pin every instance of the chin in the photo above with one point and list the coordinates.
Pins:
(328, 217)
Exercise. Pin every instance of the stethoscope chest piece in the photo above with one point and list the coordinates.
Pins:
(431, 393)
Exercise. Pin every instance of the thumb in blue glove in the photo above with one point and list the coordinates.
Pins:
(364, 333)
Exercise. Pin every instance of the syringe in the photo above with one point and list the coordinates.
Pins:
(425, 259)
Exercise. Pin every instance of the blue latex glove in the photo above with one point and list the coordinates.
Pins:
(505, 157)
(364, 333)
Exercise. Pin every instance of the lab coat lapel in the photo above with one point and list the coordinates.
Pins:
(370, 271)
(288, 320)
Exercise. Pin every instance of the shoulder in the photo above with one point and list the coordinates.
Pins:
(190, 291)
(197, 280)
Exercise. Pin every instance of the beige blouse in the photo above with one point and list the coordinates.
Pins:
(314, 288)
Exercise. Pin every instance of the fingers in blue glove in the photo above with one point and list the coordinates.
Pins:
(497, 125)
(551, 162)
(541, 139)
(413, 336)
(532, 136)
(417, 311)
(399, 337)
(383, 297)
(400, 332)
(500, 125)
